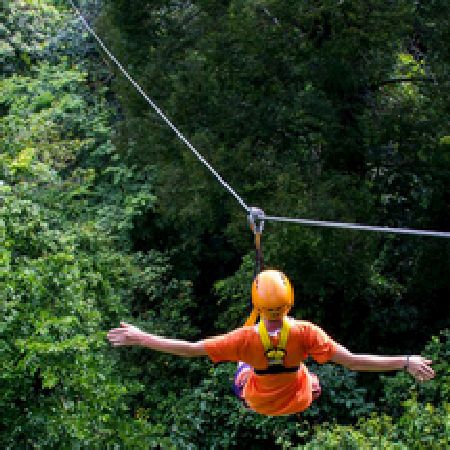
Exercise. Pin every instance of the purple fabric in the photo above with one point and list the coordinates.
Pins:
(237, 390)
(317, 390)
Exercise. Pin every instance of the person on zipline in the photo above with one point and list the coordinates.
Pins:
(271, 378)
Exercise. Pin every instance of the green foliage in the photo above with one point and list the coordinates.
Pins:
(29, 31)
(233, 293)
(343, 398)
(420, 427)
(401, 387)
(105, 216)
(64, 279)
(60, 384)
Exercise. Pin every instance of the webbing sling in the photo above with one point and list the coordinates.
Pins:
(275, 355)
(257, 226)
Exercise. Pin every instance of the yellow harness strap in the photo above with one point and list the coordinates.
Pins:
(274, 355)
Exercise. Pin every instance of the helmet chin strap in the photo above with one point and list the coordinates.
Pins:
(252, 318)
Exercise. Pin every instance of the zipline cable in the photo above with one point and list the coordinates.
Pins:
(308, 222)
(159, 111)
(357, 226)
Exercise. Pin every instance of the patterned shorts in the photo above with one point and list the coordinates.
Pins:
(240, 378)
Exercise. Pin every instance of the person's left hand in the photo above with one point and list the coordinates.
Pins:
(125, 335)
(420, 368)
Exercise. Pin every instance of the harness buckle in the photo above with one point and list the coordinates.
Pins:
(275, 356)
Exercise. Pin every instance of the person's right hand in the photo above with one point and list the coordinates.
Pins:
(420, 368)
(125, 335)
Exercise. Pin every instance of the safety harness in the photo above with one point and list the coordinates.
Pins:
(275, 355)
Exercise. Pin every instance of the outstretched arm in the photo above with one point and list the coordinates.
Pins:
(418, 367)
(130, 335)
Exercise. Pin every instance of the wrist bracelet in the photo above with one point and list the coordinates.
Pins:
(406, 363)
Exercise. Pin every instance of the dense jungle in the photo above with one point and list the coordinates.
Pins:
(331, 110)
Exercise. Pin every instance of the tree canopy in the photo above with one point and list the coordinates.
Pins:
(332, 110)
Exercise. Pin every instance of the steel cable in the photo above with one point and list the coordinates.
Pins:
(308, 222)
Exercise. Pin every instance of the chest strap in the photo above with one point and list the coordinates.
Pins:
(275, 355)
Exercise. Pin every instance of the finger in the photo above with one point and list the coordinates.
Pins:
(427, 368)
(116, 330)
(428, 361)
(113, 337)
(116, 337)
(428, 374)
(424, 375)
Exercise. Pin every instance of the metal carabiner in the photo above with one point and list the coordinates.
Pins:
(256, 219)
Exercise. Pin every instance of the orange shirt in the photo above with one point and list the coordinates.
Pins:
(274, 394)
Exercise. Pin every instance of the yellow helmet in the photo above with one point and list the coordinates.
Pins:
(272, 296)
